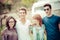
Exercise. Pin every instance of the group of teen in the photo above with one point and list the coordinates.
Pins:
(36, 29)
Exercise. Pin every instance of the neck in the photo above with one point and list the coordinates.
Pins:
(49, 15)
(11, 28)
(23, 20)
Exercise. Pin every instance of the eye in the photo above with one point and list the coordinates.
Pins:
(46, 9)
(11, 21)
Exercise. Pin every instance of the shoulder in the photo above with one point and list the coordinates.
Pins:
(4, 31)
(56, 16)
(15, 30)
(17, 21)
(44, 18)
(28, 22)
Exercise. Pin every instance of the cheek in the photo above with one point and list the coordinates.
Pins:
(11, 24)
(35, 22)
(46, 11)
(19, 14)
(22, 15)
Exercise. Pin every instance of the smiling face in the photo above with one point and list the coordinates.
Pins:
(11, 23)
(35, 22)
(47, 10)
(22, 14)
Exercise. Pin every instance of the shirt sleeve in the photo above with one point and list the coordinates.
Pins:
(4, 36)
(59, 20)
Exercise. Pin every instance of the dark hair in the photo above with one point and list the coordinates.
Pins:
(38, 17)
(23, 8)
(48, 5)
(7, 22)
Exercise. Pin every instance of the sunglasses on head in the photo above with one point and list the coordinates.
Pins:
(46, 9)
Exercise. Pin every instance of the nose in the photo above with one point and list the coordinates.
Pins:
(46, 11)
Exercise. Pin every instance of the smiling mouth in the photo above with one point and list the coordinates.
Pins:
(46, 12)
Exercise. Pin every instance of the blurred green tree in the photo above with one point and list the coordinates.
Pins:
(27, 3)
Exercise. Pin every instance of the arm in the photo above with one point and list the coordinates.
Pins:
(59, 26)
(59, 23)
(4, 36)
(30, 30)
(45, 32)
(45, 35)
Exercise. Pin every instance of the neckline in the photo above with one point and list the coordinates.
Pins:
(50, 16)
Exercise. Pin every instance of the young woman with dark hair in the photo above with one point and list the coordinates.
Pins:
(10, 33)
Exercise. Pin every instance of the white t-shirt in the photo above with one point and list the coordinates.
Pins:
(23, 30)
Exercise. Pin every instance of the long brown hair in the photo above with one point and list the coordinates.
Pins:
(39, 18)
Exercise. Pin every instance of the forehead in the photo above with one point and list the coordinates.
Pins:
(34, 20)
(46, 7)
(11, 19)
(21, 10)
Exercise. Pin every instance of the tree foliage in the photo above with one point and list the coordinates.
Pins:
(27, 3)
